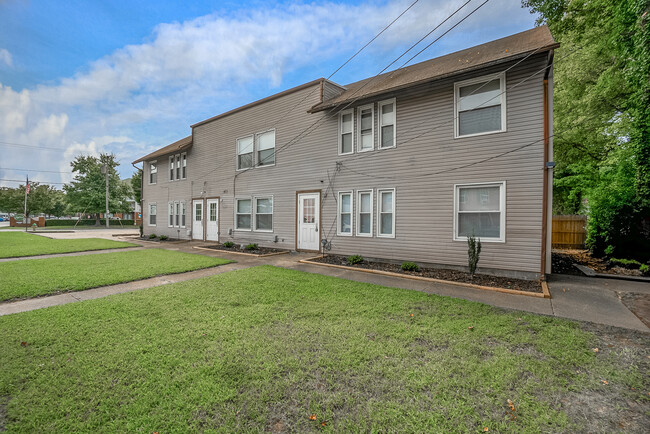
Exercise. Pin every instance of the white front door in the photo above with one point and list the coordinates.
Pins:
(308, 221)
(212, 222)
(197, 219)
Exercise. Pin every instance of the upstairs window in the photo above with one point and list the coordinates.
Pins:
(480, 105)
(178, 167)
(243, 214)
(345, 213)
(386, 211)
(244, 152)
(153, 172)
(264, 214)
(366, 128)
(480, 210)
(171, 168)
(346, 131)
(184, 166)
(266, 148)
(387, 124)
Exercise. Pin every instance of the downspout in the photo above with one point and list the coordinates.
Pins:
(547, 169)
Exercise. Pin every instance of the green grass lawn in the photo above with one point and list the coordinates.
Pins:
(34, 277)
(264, 348)
(15, 244)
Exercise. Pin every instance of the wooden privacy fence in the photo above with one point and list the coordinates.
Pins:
(569, 231)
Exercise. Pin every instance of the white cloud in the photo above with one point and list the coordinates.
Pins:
(137, 97)
(5, 57)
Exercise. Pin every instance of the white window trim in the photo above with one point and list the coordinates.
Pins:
(177, 214)
(502, 208)
(177, 167)
(184, 165)
(338, 214)
(256, 150)
(149, 172)
(170, 212)
(372, 211)
(237, 154)
(183, 214)
(251, 213)
(379, 105)
(502, 79)
(171, 170)
(372, 134)
(379, 192)
(254, 213)
(149, 214)
(340, 133)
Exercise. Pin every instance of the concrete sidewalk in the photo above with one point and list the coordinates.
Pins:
(578, 298)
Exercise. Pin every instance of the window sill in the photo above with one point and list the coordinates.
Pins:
(456, 136)
(483, 240)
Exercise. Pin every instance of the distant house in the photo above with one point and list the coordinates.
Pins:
(402, 166)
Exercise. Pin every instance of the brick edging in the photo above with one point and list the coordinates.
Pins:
(545, 293)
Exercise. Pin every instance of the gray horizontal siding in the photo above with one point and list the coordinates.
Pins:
(424, 197)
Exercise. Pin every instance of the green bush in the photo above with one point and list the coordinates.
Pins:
(163, 237)
(473, 253)
(251, 246)
(626, 263)
(228, 244)
(141, 231)
(87, 222)
(644, 268)
(410, 266)
(354, 259)
(609, 251)
(152, 236)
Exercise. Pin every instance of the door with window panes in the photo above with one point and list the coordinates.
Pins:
(212, 222)
(308, 222)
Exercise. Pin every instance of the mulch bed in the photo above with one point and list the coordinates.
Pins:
(237, 248)
(563, 260)
(440, 273)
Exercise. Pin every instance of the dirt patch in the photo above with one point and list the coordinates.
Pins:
(563, 261)
(238, 249)
(440, 273)
(639, 305)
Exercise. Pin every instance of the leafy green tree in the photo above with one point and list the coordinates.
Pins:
(42, 198)
(87, 192)
(602, 116)
(136, 185)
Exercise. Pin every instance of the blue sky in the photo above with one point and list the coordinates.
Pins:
(128, 77)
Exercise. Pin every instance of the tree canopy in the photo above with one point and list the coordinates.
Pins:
(602, 117)
(87, 192)
(41, 199)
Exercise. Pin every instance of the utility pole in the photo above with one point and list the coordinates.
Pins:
(105, 172)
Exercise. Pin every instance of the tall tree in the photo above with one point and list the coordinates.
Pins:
(42, 198)
(87, 192)
(602, 116)
(136, 185)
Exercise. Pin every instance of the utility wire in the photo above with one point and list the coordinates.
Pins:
(31, 170)
(39, 182)
(21, 145)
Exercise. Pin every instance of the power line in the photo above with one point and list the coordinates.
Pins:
(21, 145)
(39, 182)
(31, 170)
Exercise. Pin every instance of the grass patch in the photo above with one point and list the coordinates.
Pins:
(264, 348)
(15, 244)
(34, 277)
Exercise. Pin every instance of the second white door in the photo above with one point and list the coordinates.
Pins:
(212, 220)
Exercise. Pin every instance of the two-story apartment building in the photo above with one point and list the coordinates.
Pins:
(401, 166)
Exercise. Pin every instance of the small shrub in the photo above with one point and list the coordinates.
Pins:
(645, 268)
(626, 263)
(354, 259)
(163, 237)
(141, 231)
(410, 266)
(473, 253)
(609, 250)
(228, 244)
(251, 246)
(152, 236)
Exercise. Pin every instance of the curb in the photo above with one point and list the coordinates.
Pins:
(545, 292)
(241, 253)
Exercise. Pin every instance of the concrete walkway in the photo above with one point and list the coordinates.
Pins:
(578, 298)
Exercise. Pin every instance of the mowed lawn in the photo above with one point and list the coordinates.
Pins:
(264, 349)
(14, 244)
(33, 277)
